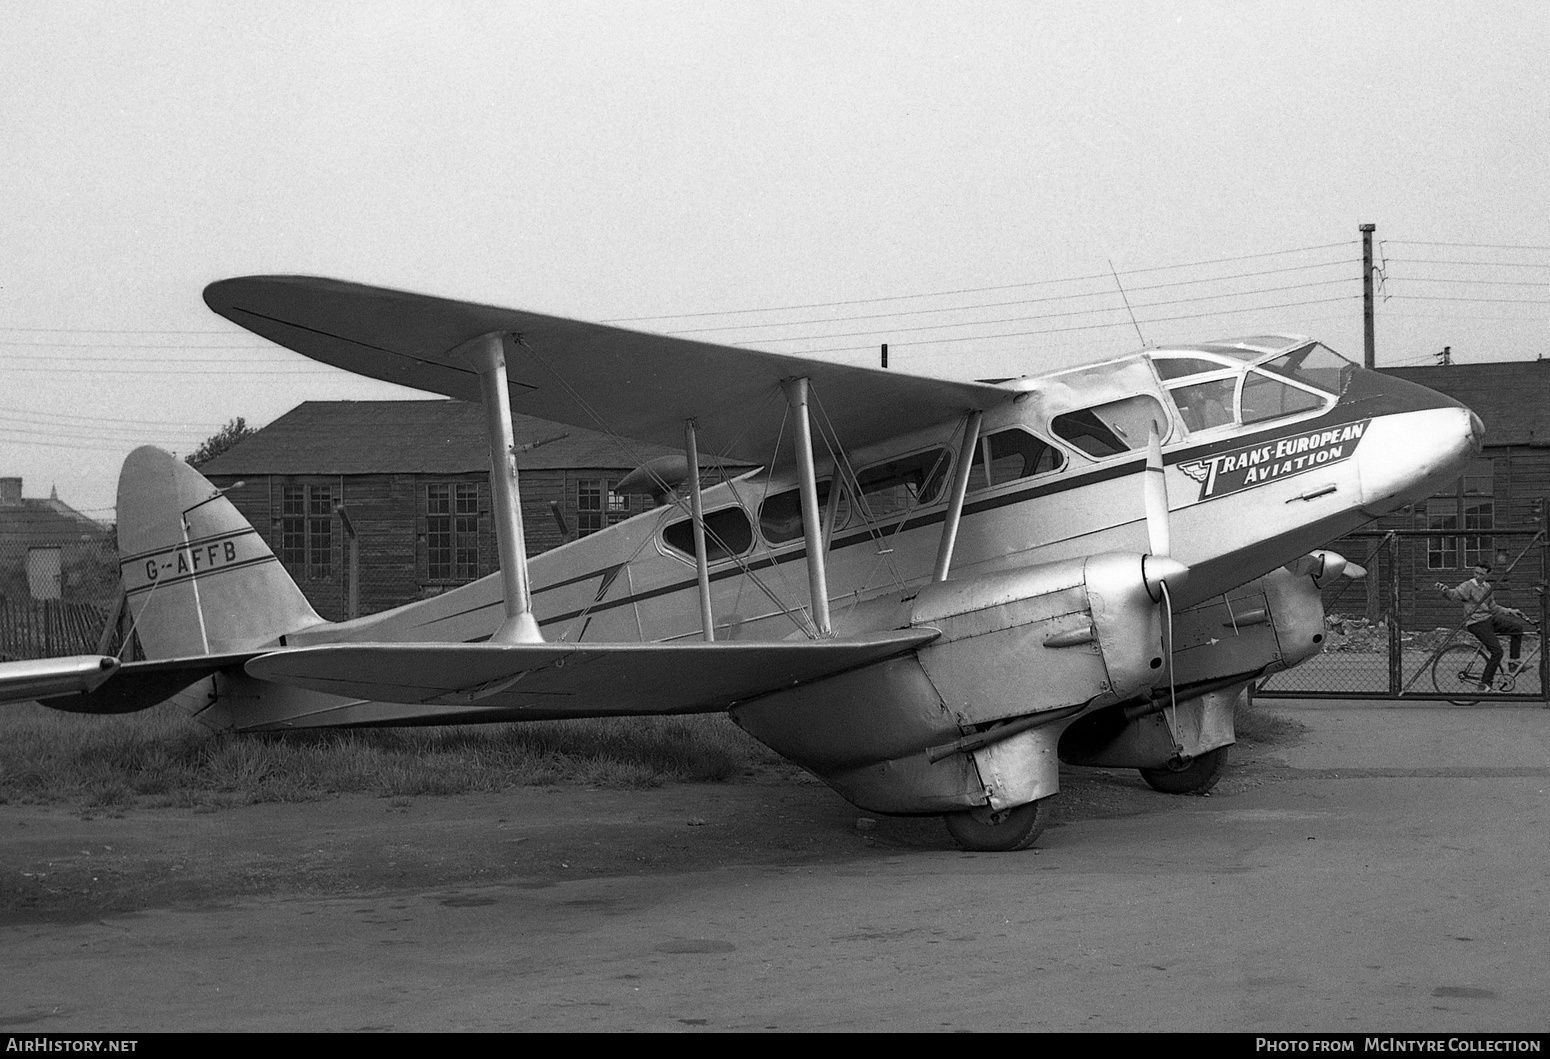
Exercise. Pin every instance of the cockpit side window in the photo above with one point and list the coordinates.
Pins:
(1204, 405)
(1115, 427)
(1012, 455)
(1266, 397)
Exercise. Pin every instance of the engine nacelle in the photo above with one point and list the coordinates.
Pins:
(1059, 638)
(1219, 647)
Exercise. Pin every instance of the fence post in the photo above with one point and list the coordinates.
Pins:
(1544, 616)
(1396, 645)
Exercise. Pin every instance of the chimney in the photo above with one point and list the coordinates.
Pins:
(10, 492)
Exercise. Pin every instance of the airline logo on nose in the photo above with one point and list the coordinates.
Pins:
(1253, 465)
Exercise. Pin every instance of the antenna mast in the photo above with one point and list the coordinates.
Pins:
(1126, 299)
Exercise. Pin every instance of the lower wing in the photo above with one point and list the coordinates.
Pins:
(576, 680)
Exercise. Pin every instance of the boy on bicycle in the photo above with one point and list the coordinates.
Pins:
(1486, 618)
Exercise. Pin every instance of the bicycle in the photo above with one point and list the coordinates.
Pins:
(1460, 670)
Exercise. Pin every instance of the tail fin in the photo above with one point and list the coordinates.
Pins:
(198, 578)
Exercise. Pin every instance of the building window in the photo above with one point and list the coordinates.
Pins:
(597, 505)
(307, 531)
(452, 531)
(1469, 507)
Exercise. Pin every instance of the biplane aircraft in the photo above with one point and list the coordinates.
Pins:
(928, 593)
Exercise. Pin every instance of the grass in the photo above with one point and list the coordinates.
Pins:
(162, 758)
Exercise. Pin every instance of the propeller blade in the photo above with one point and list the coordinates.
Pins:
(1155, 494)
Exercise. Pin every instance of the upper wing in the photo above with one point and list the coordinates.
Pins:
(639, 385)
(565, 680)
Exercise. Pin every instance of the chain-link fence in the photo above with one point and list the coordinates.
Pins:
(1392, 634)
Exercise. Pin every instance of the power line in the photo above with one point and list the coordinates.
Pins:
(1445, 298)
(104, 419)
(1049, 316)
(1089, 327)
(324, 370)
(1104, 293)
(1472, 246)
(119, 331)
(1478, 282)
(969, 290)
(133, 345)
(1487, 264)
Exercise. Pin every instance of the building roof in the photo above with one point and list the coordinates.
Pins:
(1512, 398)
(413, 437)
(37, 522)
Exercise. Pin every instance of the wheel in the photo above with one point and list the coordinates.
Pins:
(1457, 673)
(1195, 776)
(986, 830)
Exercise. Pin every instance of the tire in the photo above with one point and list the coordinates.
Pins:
(1457, 671)
(1197, 776)
(986, 831)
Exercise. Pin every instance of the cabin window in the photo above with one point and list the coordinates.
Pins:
(727, 533)
(307, 531)
(899, 485)
(452, 531)
(1115, 427)
(1265, 398)
(780, 516)
(598, 505)
(1009, 455)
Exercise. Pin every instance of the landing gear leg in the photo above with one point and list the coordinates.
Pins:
(987, 830)
(1196, 776)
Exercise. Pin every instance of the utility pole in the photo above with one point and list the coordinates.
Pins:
(1369, 347)
(1370, 362)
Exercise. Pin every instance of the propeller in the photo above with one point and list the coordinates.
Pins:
(1158, 568)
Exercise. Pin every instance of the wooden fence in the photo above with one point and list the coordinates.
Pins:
(50, 628)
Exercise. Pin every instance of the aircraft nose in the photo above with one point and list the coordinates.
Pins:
(1407, 456)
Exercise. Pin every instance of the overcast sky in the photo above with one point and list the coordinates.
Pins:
(846, 166)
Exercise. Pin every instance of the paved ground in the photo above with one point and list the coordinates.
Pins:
(1386, 872)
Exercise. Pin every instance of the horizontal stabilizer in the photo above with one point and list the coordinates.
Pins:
(37, 677)
(141, 685)
(586, 679)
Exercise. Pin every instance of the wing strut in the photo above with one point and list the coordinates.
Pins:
(944, 551)
(697, 507)
(487, 354)
(812, 531)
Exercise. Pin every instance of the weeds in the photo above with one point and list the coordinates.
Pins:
(162, 758)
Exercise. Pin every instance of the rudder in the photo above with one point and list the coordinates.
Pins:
(198, 578)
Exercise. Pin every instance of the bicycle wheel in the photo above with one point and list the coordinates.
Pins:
(1458, 671)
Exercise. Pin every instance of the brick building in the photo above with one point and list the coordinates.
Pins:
(412, 478)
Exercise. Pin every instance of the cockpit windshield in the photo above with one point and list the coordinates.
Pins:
(1314, 364)
(1213, 387)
